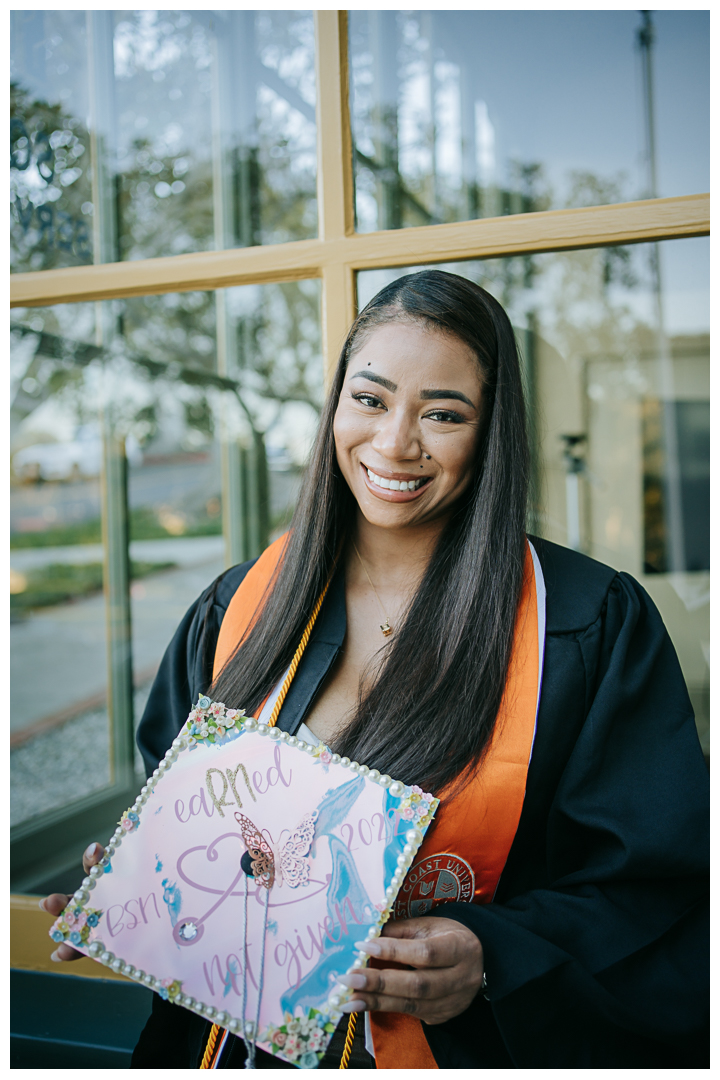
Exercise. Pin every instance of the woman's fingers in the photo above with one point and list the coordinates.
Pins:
(92, 856)
(375, 1003)
(446, 969)
(66, 952)
(55, 903)
(408, 985)
(423, 943)
(433, 1001)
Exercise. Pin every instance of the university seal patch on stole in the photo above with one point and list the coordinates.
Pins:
(438, 879)
(244, 876)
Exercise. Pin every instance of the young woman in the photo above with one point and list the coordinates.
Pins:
(573, 806)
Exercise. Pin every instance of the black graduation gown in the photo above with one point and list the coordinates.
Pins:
(595, 946)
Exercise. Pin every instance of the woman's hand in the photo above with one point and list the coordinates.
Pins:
(57, 902)
(447, 959)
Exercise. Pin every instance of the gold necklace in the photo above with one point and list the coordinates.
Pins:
(385, 627)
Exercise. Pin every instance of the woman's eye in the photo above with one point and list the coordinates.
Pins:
(370, 400)
(445, 416)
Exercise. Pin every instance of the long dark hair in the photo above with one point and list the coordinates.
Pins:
(458, 630)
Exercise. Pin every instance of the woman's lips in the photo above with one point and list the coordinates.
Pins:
(394, 494)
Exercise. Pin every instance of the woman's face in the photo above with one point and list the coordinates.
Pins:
(408, 423)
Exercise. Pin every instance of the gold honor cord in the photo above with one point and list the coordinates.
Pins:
(345, 1059)
(207, 1056)
(296, 658)
(272, 721)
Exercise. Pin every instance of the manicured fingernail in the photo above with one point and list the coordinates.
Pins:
(41, 903)
(371, 947)
(54, 956)
(353, 981)
(91, 851)
(353, 1006)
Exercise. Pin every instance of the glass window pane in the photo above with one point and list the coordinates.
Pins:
(147, 133)
(214, 399)
(615, 347)
(58, 716)
(218, 395)
(467, 114)
(164, 366)
(51, 196)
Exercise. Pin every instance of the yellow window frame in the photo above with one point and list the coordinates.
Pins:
(339, 252)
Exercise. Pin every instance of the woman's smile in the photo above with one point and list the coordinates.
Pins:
(395, 487)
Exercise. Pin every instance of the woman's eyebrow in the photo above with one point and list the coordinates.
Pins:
(455, 395)
(426, 395)
(391, 386)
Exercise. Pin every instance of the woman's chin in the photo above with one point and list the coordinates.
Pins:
(389, 515)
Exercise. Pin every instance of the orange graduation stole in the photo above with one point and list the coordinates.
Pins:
(467, 845)
(245, 605)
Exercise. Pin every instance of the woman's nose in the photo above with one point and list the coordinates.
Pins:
(397, 437)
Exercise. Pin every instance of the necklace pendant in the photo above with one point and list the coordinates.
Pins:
(386, 628)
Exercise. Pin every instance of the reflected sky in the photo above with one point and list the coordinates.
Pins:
(484, 97)
(564, 87)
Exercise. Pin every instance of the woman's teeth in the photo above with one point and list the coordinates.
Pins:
(396, 485)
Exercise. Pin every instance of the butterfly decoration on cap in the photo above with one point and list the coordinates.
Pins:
(286, 863)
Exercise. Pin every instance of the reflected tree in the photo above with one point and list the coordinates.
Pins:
(50, 185)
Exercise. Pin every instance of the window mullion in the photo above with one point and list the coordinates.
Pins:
(115, 516)
(551, 230)
(336, 213)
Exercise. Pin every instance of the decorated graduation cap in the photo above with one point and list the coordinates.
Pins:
(242, 879)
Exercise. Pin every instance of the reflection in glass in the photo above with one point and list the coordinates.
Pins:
(610, 365)
(179, 441)
(691, 421)
(272, 353)
(167, 131)
(51, 198)
(468, 114)
(60, 744)
(225, 391)
(221, 392)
